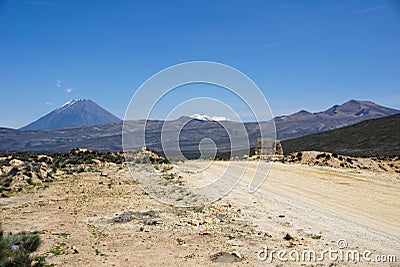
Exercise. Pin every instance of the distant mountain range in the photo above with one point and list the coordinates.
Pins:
(108, 136)
(80, 112)
(376, 137)
(305, 123)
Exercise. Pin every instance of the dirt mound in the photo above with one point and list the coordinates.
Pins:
(145, 155)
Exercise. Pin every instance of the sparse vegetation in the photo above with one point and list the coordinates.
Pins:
(166, 168)
(180, 241)
(63, 160)
(168, 176)
(63, 235)
(59, 249)
(98, 253)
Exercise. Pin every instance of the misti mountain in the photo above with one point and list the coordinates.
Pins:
(79, 112)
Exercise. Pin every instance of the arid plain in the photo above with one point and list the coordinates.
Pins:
(90, 219)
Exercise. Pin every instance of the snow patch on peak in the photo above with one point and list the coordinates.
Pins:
(208, 118)
(72, 102)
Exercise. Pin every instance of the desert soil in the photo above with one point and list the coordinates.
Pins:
(86, 219)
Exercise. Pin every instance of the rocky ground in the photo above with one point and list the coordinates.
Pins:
(97, 215)
(315, 158)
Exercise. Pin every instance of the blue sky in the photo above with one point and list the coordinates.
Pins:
(302, 54)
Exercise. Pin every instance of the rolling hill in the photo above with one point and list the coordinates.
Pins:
(376, 137)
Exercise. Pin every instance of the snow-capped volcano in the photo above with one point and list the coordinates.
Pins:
(208, 118)
(78, 112)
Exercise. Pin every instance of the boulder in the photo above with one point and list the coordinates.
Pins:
(16, 162)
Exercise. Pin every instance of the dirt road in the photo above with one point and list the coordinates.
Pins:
(362, 207)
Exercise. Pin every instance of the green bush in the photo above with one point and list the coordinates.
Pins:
(15, 250)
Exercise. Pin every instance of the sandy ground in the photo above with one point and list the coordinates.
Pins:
(315, 206)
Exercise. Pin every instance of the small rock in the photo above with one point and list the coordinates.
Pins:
(288, 237)
(150, 222)
(34, 263)
(75, 250)
(194, 222)
(180, 213)
(207, 232)
(98, 162)
(208, 221)
(281, 216)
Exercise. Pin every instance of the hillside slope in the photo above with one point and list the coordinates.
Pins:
(377, 137)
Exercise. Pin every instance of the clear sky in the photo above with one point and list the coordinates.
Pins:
(302, 54)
